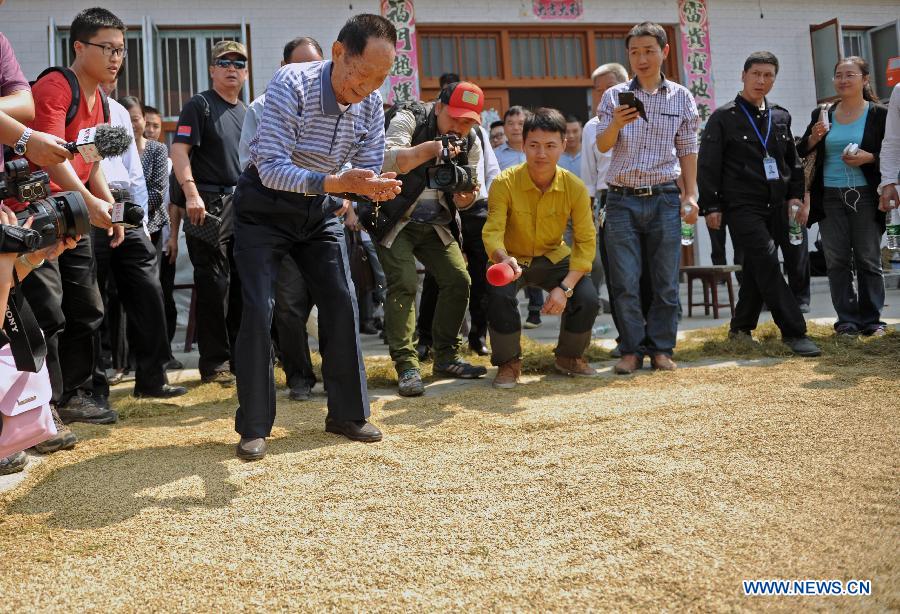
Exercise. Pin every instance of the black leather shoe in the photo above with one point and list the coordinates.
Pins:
(174, 365)
(368, 328)
(357, 430)
(423, 352)
(251, 449)
(478, 347)
(300, 392)
(163, 392)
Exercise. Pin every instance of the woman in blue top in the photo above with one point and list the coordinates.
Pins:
(844, 200)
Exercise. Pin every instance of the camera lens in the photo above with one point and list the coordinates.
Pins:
(61, 215)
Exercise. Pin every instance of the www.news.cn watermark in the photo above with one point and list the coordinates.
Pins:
(807, 588)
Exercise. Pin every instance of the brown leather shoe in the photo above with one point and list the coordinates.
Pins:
(628, 364)
(663, 362)
(574, 367)
(508, 374)
(357, 430)
(251, 449)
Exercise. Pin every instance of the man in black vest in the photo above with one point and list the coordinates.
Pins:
(421, 224)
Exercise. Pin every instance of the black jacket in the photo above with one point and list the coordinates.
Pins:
(730, 166)
(873, 133)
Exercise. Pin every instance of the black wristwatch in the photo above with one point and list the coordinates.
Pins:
(566, 290)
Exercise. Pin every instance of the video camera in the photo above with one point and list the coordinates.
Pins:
(55, 216)
(448, 176)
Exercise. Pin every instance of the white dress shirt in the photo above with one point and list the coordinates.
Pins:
(488, 168)
(594, 165)
(890, 145)
(125, 172)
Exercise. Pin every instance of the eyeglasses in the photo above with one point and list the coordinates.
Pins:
(847, 76)
(109, 50)
(239, 64)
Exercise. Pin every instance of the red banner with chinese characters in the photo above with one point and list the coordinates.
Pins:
(557, 9)
(404, 77)
(695, 54)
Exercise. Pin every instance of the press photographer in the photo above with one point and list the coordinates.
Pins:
(27, 418)
(431, 146)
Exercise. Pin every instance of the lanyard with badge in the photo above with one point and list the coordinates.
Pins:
(769, 163)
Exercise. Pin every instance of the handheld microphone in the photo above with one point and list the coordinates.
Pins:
(99, 142)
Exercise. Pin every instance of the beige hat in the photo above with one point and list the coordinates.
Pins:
(225, 47)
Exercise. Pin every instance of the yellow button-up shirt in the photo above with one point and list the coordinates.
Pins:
(527, 223)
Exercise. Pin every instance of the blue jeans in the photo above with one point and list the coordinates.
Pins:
(654, 221)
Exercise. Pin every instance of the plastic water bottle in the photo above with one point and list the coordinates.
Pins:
(795, 232)
(893, 227)
(687, 230)
(600, 329)
(823, 117)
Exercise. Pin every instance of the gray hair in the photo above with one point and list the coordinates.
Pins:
(613, 67)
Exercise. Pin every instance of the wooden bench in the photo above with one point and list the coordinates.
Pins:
(710, 276)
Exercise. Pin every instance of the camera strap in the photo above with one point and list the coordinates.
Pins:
(26, 341)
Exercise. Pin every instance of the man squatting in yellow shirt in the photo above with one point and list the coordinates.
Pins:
(529, 206)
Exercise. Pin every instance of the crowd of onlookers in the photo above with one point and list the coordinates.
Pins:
(565, 207)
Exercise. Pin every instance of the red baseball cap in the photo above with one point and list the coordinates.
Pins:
(463, 100)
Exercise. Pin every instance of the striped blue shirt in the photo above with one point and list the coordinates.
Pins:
(303, 135)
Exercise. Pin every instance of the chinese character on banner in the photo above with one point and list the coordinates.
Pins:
(403, 81)
(695, 54)
(558, 9)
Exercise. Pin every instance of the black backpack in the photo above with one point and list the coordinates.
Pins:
(75, 87)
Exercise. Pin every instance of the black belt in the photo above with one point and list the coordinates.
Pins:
(647, 190)
(215, 189)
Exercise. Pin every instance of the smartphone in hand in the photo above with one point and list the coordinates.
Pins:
(630, 100)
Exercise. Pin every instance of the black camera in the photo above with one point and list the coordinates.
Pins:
(55, 216)
(448, 176)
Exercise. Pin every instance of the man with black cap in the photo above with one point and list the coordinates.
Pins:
(206, 164)
(421, 224)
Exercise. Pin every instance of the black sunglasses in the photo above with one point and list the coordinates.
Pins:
(239, 64)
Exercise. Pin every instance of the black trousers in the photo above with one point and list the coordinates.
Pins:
(718, 243)
(66, 303)
(218, 298)
(754, 228)
(293, 303)
(167, 283)
(577, 318)
(269, 225)
(796, 259)
(476, 265)
(132, 265)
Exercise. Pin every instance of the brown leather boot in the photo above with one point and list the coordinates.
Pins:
(508, 374)
(628, 364)
(663, 362)
(575, 367)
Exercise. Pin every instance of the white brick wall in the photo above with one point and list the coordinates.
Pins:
(735, 28)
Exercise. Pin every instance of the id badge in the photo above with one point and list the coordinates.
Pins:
(771, 168)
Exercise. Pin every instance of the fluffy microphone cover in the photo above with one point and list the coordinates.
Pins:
(111, 141)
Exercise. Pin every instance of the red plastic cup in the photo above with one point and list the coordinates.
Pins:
(500, 274)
